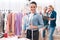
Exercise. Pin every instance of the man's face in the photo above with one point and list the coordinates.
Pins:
(32, 7)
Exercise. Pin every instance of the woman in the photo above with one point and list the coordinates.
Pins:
(34, 23)
(45, 20)
(52, 21)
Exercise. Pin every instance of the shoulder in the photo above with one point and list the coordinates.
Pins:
(54, 12)
(38, 15)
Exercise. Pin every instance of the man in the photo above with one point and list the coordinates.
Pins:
(52, 21)
(33, 24)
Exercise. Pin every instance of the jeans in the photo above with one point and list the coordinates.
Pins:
(51, 31)
(44, 31)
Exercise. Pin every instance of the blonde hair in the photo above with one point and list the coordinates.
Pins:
(45, 8)
(51, 7)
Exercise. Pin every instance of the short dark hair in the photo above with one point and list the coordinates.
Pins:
(33, 2)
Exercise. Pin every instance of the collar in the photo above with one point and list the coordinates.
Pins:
(34, 13)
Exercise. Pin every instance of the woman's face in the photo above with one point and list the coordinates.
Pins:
(49, 10)
(33, 7)
(45, 9)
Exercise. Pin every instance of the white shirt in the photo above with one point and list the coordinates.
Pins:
(49, 16)
(45, 14)
(31, 16)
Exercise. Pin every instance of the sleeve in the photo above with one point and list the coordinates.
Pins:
(55, 15)
(24, 23)
(40, 19)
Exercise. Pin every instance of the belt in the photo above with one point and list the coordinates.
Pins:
(33, 29)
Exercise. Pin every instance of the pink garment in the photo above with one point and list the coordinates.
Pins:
(14, 23)
(10, 23)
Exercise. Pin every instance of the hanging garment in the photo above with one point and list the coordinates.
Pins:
(5, 27)
(18, 23)
(1, 22)
(9, 23)
(1, 25)
(13, 22)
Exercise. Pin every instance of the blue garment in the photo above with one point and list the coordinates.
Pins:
(45, 20)
(44, 31)
(52, 25)
(45, 25)
(53, 22)
(51, 31)
(36, 21)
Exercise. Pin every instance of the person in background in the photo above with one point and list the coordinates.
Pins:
(34, 22)
(52, 21)
(45, 22)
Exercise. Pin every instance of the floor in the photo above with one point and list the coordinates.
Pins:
(56, 37)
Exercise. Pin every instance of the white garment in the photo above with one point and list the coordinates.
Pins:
(31, 16)
(45, 14)
(49, 16)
